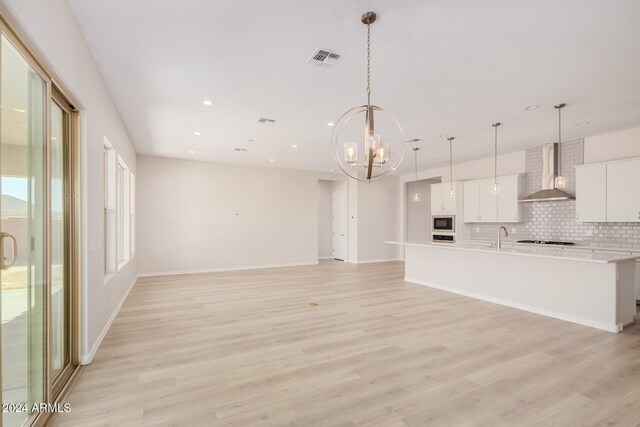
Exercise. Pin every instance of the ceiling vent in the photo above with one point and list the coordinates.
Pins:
(240, 149)
(325, 58)
(265, 121)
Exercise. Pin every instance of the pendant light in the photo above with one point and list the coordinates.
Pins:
(451, 192)
(496, 188)
(380, 157)
(559, 181)
(416, 195)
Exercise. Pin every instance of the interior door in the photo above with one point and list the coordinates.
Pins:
(339, 225)
(23, 227)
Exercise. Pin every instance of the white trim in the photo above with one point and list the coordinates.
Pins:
(219, 270)
(371, 261)
(325, 257)
(88, 357)
(549, 313)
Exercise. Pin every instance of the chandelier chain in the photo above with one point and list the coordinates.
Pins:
(368, 64)
(559, 140)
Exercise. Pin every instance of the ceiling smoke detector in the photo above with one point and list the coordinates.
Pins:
(325, 58)
(265, 121)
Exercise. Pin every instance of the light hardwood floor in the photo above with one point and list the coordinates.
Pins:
(252, 348)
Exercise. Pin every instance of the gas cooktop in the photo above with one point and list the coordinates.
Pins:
(546, 242)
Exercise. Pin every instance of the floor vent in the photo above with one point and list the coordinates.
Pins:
(325, 58)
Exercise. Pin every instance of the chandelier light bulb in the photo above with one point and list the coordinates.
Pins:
(451, 192)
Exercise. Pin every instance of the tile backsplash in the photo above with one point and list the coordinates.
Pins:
(556, 220)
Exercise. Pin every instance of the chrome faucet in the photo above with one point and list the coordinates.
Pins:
(506, 234)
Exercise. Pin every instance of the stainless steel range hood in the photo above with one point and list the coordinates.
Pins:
(549, 172)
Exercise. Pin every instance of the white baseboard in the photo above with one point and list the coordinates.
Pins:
(220, 270)
(325, 257)
(88, 357)
(573, 319)
(371, 261)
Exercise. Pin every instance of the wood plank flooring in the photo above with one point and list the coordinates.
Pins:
(252, 348)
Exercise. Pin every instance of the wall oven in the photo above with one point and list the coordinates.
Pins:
(444, 223)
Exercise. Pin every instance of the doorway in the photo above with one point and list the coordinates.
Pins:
(339, 224)
(38, 244)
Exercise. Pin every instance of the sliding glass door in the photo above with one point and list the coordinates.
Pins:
(38, 249)
(23, 230)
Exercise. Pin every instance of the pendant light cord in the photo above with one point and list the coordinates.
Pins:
(495, 156)
(559, 142)
(450, 162)
(415, 152)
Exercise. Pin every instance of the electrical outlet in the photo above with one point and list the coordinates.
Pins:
(513, 231)
(477, 229)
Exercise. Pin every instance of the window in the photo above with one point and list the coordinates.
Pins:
(132, 214)
(119, 211)
(109, 177)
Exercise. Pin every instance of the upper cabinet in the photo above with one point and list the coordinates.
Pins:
(591, 193)
(608, 192)
(442, 202)
(481, 204)
(511, 190)
(623, 191)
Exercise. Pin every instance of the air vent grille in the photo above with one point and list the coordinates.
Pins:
(240, 149)
(325, 58)
(265, 121)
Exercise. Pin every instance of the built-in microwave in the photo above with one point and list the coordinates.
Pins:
(445, 223)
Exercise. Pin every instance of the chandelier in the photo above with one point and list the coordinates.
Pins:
(382, 148)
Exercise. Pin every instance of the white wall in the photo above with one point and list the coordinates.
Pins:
(376, 220)
(325, 223)
(510, 163)
(612, 146)
(197, 216)
(418, 214)
(51, 30)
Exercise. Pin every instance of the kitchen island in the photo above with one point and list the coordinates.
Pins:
(592, 289)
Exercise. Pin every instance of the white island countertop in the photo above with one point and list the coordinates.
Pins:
(564, 253)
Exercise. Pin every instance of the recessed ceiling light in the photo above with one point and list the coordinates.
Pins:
(444, 135)
(582, 124)
(294, 146)
(197, 133)
(532, 107)
(331, 124)
(192, 152)
(249, 140)
(272, 160)
(207, 102)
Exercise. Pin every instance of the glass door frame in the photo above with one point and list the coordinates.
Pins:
(54, 393)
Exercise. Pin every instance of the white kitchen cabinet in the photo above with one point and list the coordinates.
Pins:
(441, 202)
(488, 201)
(591, 193)
(638, 280)
(511, 188)
(471, 201)
(481, 204)
(623, 193)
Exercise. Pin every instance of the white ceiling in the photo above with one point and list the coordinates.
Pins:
(441, 66)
